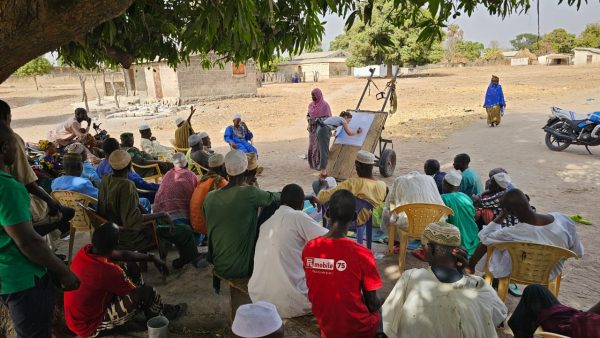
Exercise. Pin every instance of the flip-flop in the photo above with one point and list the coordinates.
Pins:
(513, 289)
(580, 219)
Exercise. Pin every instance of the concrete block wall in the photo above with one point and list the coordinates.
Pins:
(169, 81)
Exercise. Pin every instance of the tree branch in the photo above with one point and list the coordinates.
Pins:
(30, 28)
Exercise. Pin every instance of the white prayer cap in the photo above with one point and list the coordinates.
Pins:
(331, 182)
(502, 179)
(453, 177)
(75, 148)
(203, 134)
(179, 160)
(178, 120)
(194, 139)
(256, 320)
(365, 157)
(144, 127)
(237, 116)
(236, 163)
(216, 160)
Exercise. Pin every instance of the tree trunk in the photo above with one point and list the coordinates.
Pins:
(83, 92)
(30, 28)
(97, 92)
(36, 84)
(125, 81)
(114, 89)
(390, 70)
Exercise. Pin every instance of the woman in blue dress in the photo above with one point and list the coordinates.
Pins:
(494, 102)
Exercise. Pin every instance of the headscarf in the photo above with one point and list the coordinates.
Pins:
(319, 107)
(43, 145)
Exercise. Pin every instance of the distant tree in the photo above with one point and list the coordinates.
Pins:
(494, 44)
(36, 67)
(559, 40)
(341, 42)
(492, 54)
(315, 48)
(453, 36)
(524, 41)
(590, 37)
(471, 50)
(272, 65)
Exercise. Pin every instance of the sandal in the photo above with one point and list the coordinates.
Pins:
(580, 219)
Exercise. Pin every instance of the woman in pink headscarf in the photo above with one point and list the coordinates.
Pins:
(318, 109)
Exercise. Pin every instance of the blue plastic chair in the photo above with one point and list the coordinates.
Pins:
(359, 229)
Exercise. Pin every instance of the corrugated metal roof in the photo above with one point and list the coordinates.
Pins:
(593, 50)
(320, 55)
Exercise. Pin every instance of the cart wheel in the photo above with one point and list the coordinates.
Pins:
(387, 163)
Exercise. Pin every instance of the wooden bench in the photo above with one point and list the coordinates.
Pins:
(238, 296)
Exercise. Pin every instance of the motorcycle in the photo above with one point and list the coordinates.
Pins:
(565, 128)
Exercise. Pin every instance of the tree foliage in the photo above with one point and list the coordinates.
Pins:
(471, 50)
(123, 31)
(524, 41)
(590, 37)
(492, 54)
(557, 41)
(380, 42)
(36, 67)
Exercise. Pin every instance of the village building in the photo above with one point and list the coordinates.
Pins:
(312, 67)
(586, 56)
(555, 59)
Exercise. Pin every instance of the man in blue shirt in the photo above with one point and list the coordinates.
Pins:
(72, 180)
(104, 168)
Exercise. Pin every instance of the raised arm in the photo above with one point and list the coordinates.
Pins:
(192, 111)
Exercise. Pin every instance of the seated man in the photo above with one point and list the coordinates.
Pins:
(238, 136)
(231, 215)
(214, 179)
(259, 319)
(539, 307)
(364, 186)
(104, 168)
(442, 300)
(253, 170)
(70, 131)
(196, 155)
(464, 211)
(413, 187)
(141, 158)
(554, 229)
(151, 146)
(89, 171)
(342, 276)
(184, 130)
(489, 202)
(471, 183)
(175, 192)
(109, 295)
(27, 289)
(432, 168)
(278, 276)
(118, 202)
(72, 180)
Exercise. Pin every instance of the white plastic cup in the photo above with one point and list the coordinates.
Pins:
(158, 327)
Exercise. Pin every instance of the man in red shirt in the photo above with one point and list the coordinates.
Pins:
(342, 277)
(107, 297)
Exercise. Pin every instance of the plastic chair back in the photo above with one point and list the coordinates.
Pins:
(156, 177)
(419, 215)
(177, 149)
(70, 199)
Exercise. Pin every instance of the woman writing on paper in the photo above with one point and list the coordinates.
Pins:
(324, 129)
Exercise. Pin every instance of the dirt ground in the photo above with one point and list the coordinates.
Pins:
(439, 115)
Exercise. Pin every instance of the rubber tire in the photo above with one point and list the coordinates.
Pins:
(551, 146)
(387, 163)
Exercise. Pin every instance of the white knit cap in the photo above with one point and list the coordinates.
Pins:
(256, 320)
(179, 160)
(331, 182)
(236, 163)
(453, 177)
(178, 120)
(237, 116)
(203, 134)
(144, 127)
(194, 139)
(365, 157)
(502, 179)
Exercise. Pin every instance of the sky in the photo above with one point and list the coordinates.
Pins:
(485, 28)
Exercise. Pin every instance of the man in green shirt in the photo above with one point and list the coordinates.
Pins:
(471, 183)
(464, 211)
(118, 201)
(141, 158)
(231, 215)
(25, 286)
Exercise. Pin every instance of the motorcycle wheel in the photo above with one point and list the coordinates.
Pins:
(555, 144)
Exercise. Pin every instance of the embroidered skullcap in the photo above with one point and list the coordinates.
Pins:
(216, 160)
(453, 177)
(365, 157)
(256, 320)
(119, 159)
(236, 163)
(75, 148)
(442, 233)
(252, 161)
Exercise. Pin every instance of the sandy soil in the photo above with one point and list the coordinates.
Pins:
(439, 115)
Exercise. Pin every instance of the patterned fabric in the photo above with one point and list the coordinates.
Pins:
(442, 233)
(492, 202)
(494, 96)
(493, 115)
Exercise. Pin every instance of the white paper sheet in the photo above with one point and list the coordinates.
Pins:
(362, 120)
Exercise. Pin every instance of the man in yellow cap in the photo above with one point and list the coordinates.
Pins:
(118, 201)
